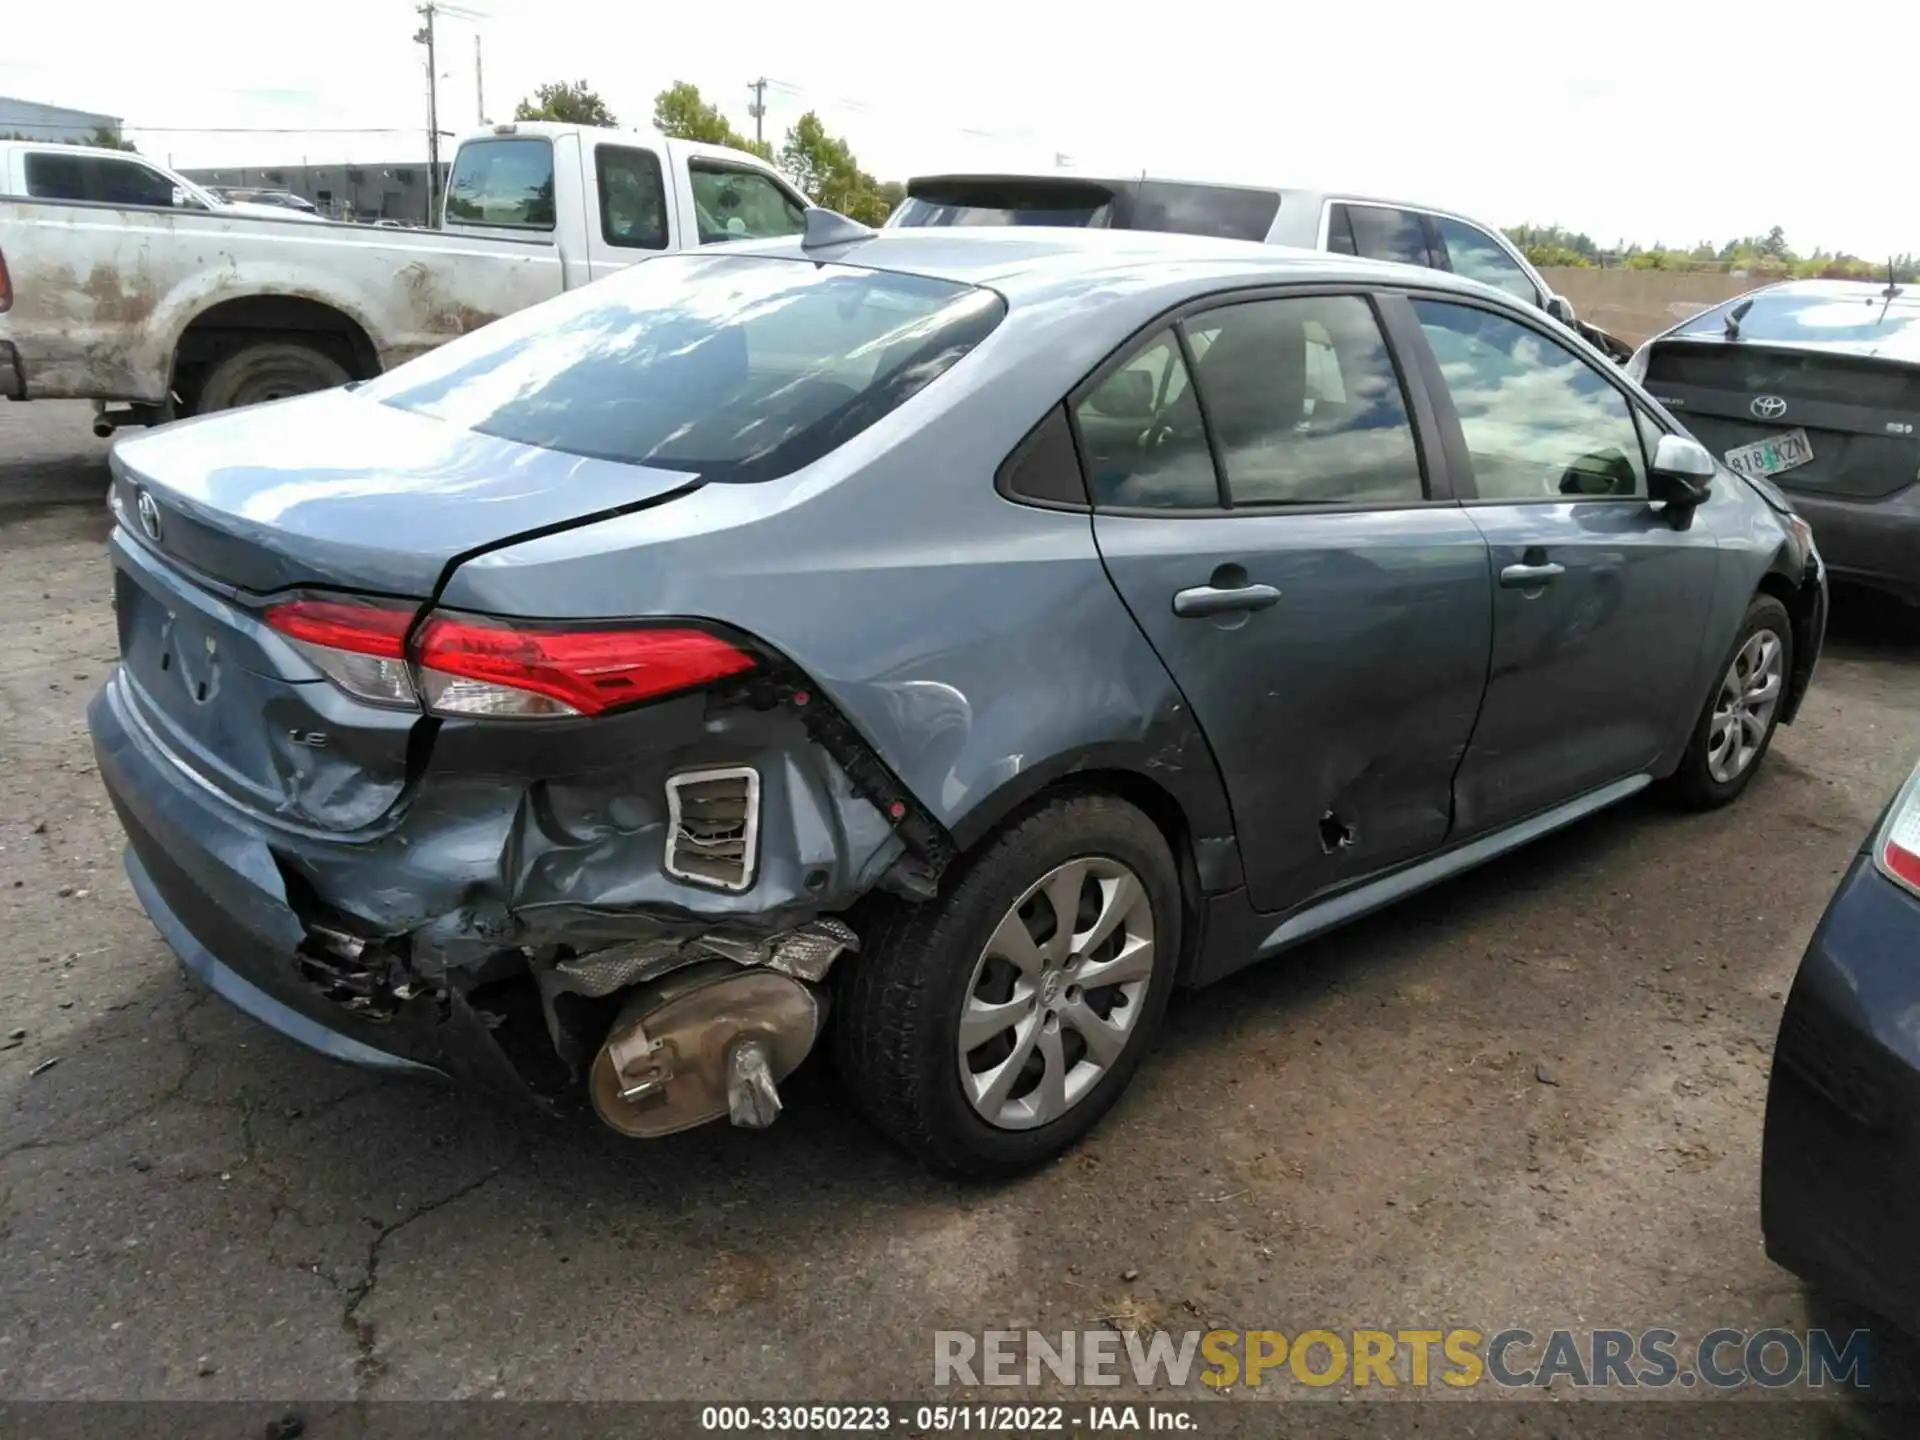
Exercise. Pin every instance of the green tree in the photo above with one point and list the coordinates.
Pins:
(680, 112)
(823, 166)
(1775, 245)
(104, 137)
(571, 104)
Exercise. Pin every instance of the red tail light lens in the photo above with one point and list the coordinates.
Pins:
(474, 666)
(1898, 848)
(6, 286)
(361, 647)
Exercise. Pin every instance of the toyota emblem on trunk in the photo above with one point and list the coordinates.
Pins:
(149, 510)
(1766, 407)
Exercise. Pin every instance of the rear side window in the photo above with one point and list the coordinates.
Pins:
(1305, 403)
(92, 177)
(732, 368)
(633, 198)
(735, 203)
(507, 183)
(1221, 210)
(1477, 255)
(1383, 234)
(1141, 434)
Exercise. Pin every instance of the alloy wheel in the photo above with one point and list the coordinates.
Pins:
(1743, 709)
(1056, 993)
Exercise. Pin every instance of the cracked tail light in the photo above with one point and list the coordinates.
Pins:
(473, 665)
(361, 647)
(1897, 849)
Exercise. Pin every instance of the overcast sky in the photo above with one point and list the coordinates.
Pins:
(1667, 120)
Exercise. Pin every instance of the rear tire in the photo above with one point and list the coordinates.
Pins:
(1735, 728)
(270, 370)
(1031, 1083)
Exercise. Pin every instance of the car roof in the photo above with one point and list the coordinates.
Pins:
(1032, 263)
(1898, 342)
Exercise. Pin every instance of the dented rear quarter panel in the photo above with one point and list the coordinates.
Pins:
(102, 294)
(975, 643)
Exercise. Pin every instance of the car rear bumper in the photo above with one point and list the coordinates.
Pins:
(1840, 1166)
(1870, 542)
(216, 894)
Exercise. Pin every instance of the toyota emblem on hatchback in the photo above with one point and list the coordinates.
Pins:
(149, 510)
(1768, 407)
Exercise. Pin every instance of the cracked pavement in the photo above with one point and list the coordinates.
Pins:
(191, 1207)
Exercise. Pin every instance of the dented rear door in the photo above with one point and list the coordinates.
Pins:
(1326, 619)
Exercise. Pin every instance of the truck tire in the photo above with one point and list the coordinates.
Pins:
(269, 370)
(957, 1011)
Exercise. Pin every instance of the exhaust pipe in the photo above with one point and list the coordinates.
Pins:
(106, 421)
(701, 1042)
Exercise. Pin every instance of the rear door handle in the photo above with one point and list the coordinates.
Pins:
(1213, 600)
(1526, 577)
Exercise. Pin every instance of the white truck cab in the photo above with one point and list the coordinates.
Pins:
(605, 198)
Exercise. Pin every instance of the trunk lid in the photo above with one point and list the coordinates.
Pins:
(342, 491)
(329, 493)
(1861, 414)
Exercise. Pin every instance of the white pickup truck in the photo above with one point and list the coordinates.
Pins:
(119, 284)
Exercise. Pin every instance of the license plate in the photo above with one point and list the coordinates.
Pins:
(1770, 457)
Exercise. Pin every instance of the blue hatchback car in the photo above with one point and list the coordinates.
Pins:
(982, 632)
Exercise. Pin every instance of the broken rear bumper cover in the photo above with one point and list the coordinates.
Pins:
(491, 932)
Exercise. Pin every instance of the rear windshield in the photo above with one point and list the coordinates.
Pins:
(1860, 319)
(1229, 212)
(729, 367)
(988, 201)
(502, 182)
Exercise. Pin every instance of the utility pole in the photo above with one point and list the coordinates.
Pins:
(758, 110)
(424, 36)
(479, 90)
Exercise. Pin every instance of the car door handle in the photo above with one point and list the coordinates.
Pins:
(1214, 600)
(1526, 577)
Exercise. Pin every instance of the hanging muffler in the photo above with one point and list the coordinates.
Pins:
(704, 1041)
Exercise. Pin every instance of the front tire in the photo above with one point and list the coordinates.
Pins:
(989, 1030)
(1742, 712)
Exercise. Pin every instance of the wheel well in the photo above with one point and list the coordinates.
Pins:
(220, 330)
(1803, 608)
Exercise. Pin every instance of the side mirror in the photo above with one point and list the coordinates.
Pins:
(1127, 395)
(1561, 309)
(1682, 471)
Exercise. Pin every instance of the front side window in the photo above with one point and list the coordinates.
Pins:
(729, 367)
(1305, 403)
(740, 204)
(1383, 234)
(507, 183)
(1477, 255)
(1539, 422)
(91, 177)
(633, 197)
(1141, 436)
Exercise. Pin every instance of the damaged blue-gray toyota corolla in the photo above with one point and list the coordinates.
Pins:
(984, 631)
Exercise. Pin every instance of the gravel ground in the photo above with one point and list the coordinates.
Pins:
(1532, 1097)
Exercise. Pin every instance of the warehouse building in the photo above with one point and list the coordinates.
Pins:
(28, 120)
